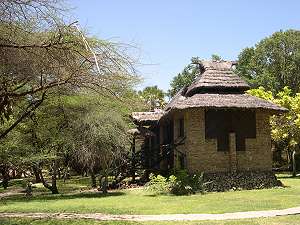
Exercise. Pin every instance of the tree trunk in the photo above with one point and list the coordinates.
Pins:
(104, 185)
(36, 174)
(93, 179)
(54, 177)
(53, 187)
(294, 163)
(5, 176)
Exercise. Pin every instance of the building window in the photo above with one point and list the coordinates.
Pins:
(181, 128)
(219, 123)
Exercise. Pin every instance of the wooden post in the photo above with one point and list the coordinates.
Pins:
(232, 153)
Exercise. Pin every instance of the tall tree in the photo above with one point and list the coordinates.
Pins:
(39, 52)
(103, 144)
(153, 97)
(185, 78)
(215, 57)
(273, 63)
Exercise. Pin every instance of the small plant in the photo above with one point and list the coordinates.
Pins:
(158, 184)
(180, 184)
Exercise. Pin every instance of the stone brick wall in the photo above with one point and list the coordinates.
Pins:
(202, 154)
(258, 152)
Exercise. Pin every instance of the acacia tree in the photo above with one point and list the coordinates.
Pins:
(103, 144)
(39, 51)
(273, 63)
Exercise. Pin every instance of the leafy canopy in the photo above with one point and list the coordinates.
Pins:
(153, 97)
(273, 63)
(185, 78)
(285, 128)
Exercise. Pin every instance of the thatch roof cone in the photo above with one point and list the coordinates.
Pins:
(216, 77)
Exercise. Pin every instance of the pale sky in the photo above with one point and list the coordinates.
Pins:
(169, 32)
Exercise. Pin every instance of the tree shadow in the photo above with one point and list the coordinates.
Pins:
(48, 196)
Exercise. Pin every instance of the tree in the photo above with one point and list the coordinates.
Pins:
(273, 63)
(153, 97)
(43, 52)
(216, 57)
(103, 144)
(185, 78)
(285, 128)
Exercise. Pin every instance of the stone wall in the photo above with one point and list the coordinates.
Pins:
(202, 154)
(225, 181)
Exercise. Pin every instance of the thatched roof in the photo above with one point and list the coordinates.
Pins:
(141, 131)
(218, 87)
(217, 76)
(147, 117)
(223, 101)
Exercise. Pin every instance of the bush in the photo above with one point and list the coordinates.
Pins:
(158, 184)
(188, 184)
(180, 184)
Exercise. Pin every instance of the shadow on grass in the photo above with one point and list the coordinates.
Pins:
(43, 197)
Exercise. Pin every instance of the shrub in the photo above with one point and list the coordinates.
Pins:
(180, 184)
(188, 184)
(158, 184)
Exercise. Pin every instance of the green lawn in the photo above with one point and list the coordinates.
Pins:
(140, 202)
(283, 220)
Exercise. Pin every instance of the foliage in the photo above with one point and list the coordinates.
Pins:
(44, 52)
(273, 63)
(103, 139)
(153, 97)
(159, 184)
(63, 82)
(285, 128)
(185, 78)
(216, 57)
(185, 184)
(179, 184)
(51, 134)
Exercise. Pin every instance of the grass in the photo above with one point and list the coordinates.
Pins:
(283, 220)
(140, 202)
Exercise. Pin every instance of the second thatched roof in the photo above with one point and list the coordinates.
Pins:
(147, 118)
(223, 101)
